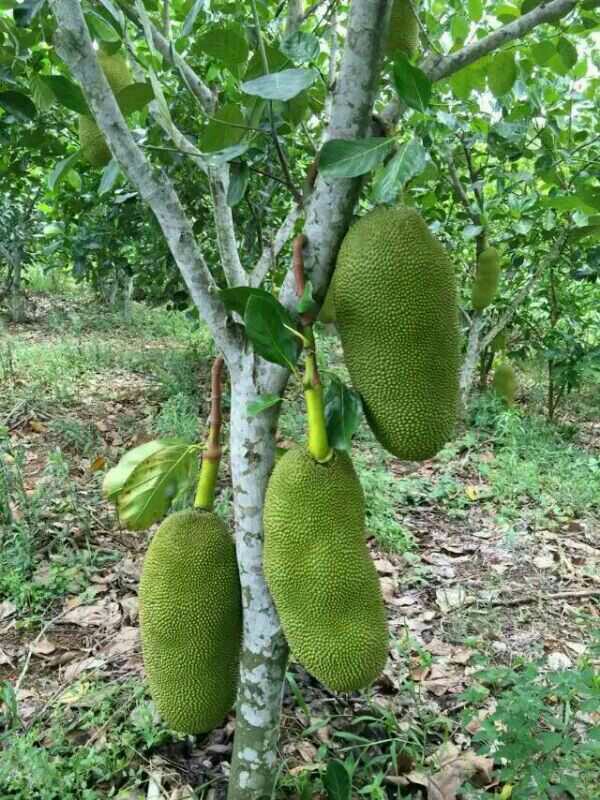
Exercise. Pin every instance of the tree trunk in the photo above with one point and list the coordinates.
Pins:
(469, 366)
(16, 299)
(264, 650)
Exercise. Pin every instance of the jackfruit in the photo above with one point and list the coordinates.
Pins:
(505, 383)
(499, 342)
(403, 33)
(319, 572)
(191, 620)
(327, 312)
(397, 315)
(93, 146)
(486, 280)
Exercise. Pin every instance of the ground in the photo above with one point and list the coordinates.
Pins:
(488, 557)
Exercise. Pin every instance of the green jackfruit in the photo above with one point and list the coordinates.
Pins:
(327, 312)
(191, 620)
(499, 342)
(319, 571)
(505, 383)
(397, 314)
(486, 280)
(403, 33)
(93, 146)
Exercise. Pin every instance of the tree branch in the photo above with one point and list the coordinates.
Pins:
(274, 247)
(228, 247)
(75, 47)
(333, 199)
(197, 87)
(295, 12)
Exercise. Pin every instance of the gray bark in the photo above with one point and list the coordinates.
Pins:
(295, 12)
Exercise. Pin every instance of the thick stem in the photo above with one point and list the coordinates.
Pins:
(264, 651)
(207, 481)
(469, 366)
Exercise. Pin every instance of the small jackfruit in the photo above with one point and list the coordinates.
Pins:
(319, 571)
(93, 146)
(191, 620)
(403, 33)
(486, 280)
(499, 342)
(505, 382)
(397, 314)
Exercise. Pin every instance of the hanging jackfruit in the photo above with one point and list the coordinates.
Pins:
(327, 312)
(403, 33)
(319, 571)
(191, 620)
(93, 146)
(397, 314)
(499, 342)
(505, 383)
(486, 280)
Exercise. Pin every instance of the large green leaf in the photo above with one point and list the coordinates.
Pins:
(337, 781)
(261, 404)
(301, 47)
(236, 298)
(409, 161)
(67, 93)
(115, 478)
(26, 11)
(154, 483)
(280, 85)
(224, 130)
(239, 175)
(349, 158)
(18, 104)
(412, 85)
(269, 326)
(60, 170)
(342, 414)
(135, 97)
(227, 44)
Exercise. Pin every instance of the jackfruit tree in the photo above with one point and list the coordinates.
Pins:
(309, 145)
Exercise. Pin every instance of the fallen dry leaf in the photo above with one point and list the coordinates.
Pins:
(450, 598)
(74, 670)
(43, 647)
(125, 642)
(97, 464)
(105, 614)
(7, 609)
(455, 769)
(388, 586)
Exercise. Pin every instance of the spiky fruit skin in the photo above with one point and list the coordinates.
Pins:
(499, 342)
(403, 34)
(397, 315)
(327, 312)
(486, 280)
(93, 146)
(319, 571)
(505, 383)
(191, 620)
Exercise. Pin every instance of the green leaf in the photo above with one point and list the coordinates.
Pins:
(19, 105)
(154, 483)
(567, 203)
(115, 13)
(502, 73)
(191, 17)
(115, 478)
(267, 326)
(281, 85)
(223, 156)
(67, 93)
(408, 162)
(301, 47)
(567, 52)
(342, 414)
(459, 27)
(349, 158)
(239, 175)
(224, 130)
(337, 781)
(236, 298)
(264, 401)
(102, 29)
(412, 85)
(109, 178)
(542, 52)
(475, 9)
(26, 11)
(227, 44)
(135, 97)
(60, 170)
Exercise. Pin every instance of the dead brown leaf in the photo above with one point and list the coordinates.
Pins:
(105, 614)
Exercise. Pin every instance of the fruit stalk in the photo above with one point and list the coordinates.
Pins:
(318, 443)
(207, 480)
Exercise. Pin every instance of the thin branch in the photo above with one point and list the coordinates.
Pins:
(438, 68)
(295, 14)
(312, 9)
(197, 87)
(225, 227)
(75, 47)
(272, 250)
(461, 192)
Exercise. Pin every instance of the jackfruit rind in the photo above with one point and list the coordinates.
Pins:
(319, 571)
(191, 620)
(92, 143)
(486, 280)
(499, 342)
(397, 314)
(505, 382)
(116, 70)
(327, 312)
(403, 33)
